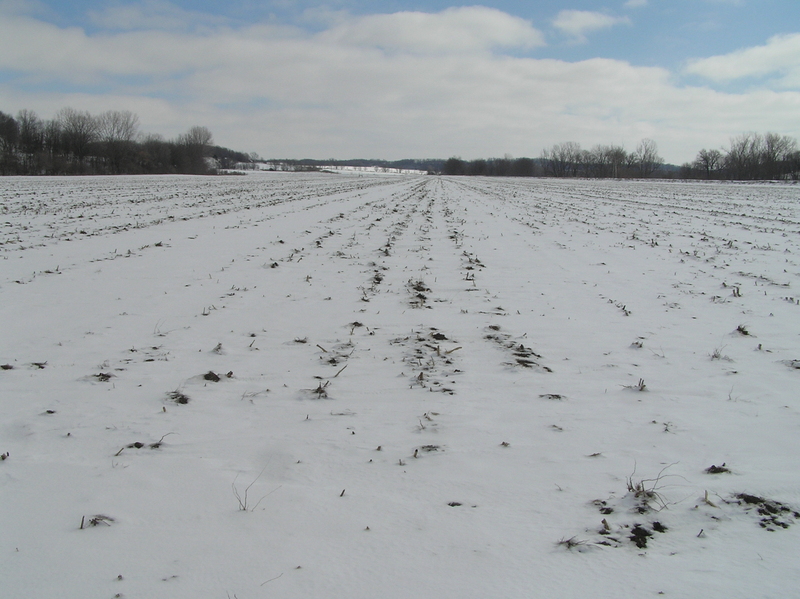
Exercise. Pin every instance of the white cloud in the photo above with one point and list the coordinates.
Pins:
(779, 56)
(462, 29)
(42, 51)
(349, 90)
(577, 23)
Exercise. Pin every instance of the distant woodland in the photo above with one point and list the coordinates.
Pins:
(751, 156)
(76, 142)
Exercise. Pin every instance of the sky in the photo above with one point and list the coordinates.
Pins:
(417, 79)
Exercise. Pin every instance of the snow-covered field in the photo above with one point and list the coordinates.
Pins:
(341, 386)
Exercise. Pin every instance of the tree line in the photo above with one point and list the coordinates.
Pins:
(602, 161)
(751, 156)
(492, 167)
(76, 142)
(567, 160)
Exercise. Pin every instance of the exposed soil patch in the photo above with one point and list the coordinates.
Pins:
(178, 397)
(772, 514)
(717, 469)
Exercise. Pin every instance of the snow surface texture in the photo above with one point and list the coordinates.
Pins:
(296, 386)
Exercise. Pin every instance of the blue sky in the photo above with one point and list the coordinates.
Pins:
(390, 79)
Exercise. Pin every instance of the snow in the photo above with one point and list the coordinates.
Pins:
(434, 387)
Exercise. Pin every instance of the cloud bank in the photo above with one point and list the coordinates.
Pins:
(454, 30)
(461, 81)
(778, 59)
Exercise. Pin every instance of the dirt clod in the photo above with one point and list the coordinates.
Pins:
(639, 536)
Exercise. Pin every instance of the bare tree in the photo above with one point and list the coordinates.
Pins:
(31, 140)
(645, 158)
(709, 161)
(793, 165)
(9, 132)
(117, 130)
(562, 160)
(193, 146)
(197, 136)
(596, 161)
(78, 130)
(606, 161)
(52, 137)
(617, 159)
(776, 152)
(9, 137)
(117, 125)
